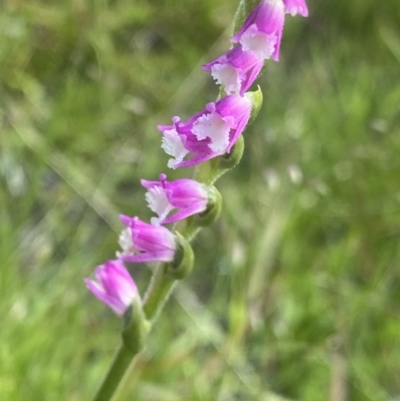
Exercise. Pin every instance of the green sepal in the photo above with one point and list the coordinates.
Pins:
(210, 171)
(213, 210)
(232, 159)
(135, 327)
(182, 264)
(256, 99)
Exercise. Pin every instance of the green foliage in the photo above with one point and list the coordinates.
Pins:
(295, 290)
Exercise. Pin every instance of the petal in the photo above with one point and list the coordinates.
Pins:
(262, 30)
(158, 201)
(115, 287)
(173, 146)
(262, 44)
(228, 76)
(294, 7)
(184, 192)
(160, 256)
(99, 293)
(198, 159)
(150, 238)
(194, 208)
(215, 127)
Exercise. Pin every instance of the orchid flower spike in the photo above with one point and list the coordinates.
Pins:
(114, 286)
(294, 7)
(143, 242)
(207, 134)
(262, 30)
(189, 196)
(236, 70)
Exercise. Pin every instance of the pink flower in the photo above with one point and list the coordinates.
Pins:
(207, 134)
(114, 286)
(190, 196)
(295, 7)
(261, 33)
(143, 242)
(236, 70)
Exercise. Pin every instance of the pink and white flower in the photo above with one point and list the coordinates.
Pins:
(143, 242)
(261, 33)
(236, 70)
(207, 134)
(114, 286)
(189, 196)
(294, 7)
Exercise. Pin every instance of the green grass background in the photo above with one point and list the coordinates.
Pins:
(296, 288)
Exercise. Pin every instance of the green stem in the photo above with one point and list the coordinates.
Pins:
(133, 336)
(158, 292)
(123, 358)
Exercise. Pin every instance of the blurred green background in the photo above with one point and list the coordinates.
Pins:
(296, 289)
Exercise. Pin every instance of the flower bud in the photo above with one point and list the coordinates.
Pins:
(114, 286)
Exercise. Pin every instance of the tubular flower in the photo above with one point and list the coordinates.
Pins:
(261, 33)
(294, 7)
(143, 242)
(190, 196)
(207, 134)
(236, 70)
(114, 286)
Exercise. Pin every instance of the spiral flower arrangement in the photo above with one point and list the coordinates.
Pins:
(211, 140)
